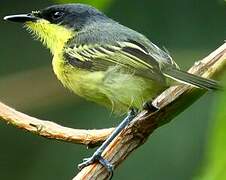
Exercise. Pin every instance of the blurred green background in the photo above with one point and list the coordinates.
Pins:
(189, 29)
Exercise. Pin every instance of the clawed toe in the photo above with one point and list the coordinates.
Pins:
(86, 162)
(100, 159)
(150, 107)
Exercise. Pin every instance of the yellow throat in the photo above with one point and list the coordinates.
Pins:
(53, 36)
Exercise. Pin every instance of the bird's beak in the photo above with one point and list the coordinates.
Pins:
(21, 18)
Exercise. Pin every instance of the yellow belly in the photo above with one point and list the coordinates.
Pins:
(114, 90)
(82, 82)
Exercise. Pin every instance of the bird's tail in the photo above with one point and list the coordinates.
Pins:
(191, 79)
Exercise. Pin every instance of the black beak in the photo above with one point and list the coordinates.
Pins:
(21, 18)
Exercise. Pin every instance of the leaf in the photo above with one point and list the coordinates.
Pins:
(215, 164)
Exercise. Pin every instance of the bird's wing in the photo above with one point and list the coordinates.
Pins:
(128, 55)
(134, 57)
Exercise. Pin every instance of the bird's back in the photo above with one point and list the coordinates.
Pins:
(110, 32)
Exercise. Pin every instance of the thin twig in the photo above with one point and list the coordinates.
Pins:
(52, 130)
(171, 102)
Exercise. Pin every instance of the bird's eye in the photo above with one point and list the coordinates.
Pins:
(57, 15)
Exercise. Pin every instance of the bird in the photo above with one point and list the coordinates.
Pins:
(105, 62)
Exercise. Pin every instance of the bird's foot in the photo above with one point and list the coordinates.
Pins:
(97, 158)
(150, 107)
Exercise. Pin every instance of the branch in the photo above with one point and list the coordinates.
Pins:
(52, 130)
(171, 102)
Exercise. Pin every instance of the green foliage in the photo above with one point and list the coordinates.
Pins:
(215, 166)
(100, 4)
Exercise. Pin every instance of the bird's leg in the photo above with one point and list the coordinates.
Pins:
(96, 157)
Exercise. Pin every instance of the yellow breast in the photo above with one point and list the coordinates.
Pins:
(84, 83)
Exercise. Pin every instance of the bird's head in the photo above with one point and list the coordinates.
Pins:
(56, 24)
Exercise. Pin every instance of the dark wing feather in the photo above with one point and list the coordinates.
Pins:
(127, 55)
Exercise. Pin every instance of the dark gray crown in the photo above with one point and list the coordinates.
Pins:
(71, 15)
